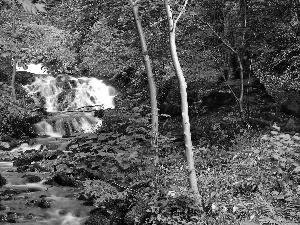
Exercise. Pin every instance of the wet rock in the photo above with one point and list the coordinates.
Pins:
(8, 194)
(65, 98)
(7, 143)
(5, 146)
(11, 192)
(43, 203)
(2, 207)
(3, 218)
(50, 155)
(12, 217)
(2, 181)
(6, 198)
(73, 83)
(29, 216)
(39, 100)
(33, 168)
(31, 203)
(27, 159)
(63, 180)
(32, 178)
(99, 113)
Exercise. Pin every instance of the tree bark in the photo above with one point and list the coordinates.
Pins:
(13, 58)
(184, 103)
(241, 99)
(151, 82)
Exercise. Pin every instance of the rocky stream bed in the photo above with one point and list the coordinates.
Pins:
(42, 183)
(27, 195)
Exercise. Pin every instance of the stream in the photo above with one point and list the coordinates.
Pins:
(27, 198)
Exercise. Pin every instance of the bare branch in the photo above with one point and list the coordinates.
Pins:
(218, 36)
(134, 3)
(180, 14)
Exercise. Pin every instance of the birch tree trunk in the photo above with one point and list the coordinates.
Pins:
(184, 102)
(151, 82)
(13, 58)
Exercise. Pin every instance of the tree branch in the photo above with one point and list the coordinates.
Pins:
(218, 36)
(180, 14)
(134, 3)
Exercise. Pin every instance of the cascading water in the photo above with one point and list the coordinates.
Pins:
(34, 201)
(64, 97)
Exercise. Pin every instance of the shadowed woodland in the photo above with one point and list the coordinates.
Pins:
(206, 118)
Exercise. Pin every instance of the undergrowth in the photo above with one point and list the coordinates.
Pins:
(254, 181)
(16, 118)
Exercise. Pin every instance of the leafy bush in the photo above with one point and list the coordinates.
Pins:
(278, 64)
(128, 121)
(16, 120)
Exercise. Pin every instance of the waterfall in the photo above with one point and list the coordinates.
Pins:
(65, 98)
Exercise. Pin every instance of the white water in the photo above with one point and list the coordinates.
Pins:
(45, 128)
(39, 185)
(81, 92)
(24, 146)
(86, 91)
(67, 219)
(32, 68)
(67, 93)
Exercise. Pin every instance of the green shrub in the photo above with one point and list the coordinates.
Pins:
(16, 118)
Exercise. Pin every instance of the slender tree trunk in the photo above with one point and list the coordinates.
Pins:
(151, 82)
(243, 7)
(241, 99)
(13, 58)
(13, 77)
(184, 103)
(241, 68)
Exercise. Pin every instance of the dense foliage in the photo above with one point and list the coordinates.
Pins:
(16, 118)
(245, 176)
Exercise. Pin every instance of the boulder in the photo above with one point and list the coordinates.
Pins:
(32, 178)
(4, 146)
(291, 126)
(62, 179)
(27, 159)
(2, 180)
(216, 99)
(12, 217)
(291, 107)
(43, 203)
